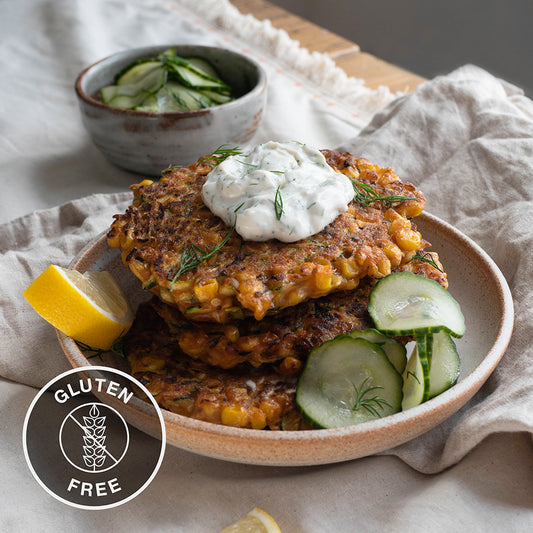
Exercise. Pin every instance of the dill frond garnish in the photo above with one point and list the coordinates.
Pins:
(278, 204)
(246, 163)
(427, 258)
(193, 256)
(371, 404)
(366, 194)
(220, 154)
(117, 348)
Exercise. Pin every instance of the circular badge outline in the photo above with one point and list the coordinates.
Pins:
(102, 369)
(65, 455)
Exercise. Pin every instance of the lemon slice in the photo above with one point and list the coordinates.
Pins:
(90, 308)
(256, 521)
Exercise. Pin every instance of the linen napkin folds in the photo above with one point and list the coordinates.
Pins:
(465, 140)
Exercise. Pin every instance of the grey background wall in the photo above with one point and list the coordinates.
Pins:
(431, 37)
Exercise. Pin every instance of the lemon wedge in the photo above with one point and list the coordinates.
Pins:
(90, 307)
(256, 521)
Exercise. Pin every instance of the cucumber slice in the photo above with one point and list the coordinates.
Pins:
(404, 303)
(413, 381)
(128, 67)
(149, 104)
(109, 92)
(424, 347)
(167, 103)
(189, 77)
(137, 72)
(394, 350)
(348, 381)
(185, 98)
(133, 95)
(202, 66)
(433, 367)
(128, 102)
(217, 98)
(445, 364)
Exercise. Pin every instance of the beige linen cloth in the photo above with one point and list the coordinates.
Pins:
(465, 139)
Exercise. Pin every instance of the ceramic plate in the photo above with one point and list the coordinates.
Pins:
(476, 283)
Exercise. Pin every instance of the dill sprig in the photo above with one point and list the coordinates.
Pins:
(220, 154)
(117, 348)
(246, 163)
(278, 204)
(427, 258)
(371, 404)
(194, 256)
(366, 194)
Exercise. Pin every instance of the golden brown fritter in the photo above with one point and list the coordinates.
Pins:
(168, 222)
(245, 397)
(285, 338)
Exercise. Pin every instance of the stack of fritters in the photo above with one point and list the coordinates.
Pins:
(225, 340)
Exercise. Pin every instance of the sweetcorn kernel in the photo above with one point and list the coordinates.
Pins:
(384, 266)
(393, 253)
(295, 296)
(257, 418)
(348, 268)
(398, 225)
(207, 291)
(408, 239)
(290, 366)
(210, 411)
(392, 215)
(322, 280)
(387, 177)
(411, 209)
(235, 416)
(231, 332)
(271, 411)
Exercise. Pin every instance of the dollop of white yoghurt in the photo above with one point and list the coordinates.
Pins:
(285, 191)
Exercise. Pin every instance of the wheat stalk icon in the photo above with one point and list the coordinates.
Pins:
(94, 450)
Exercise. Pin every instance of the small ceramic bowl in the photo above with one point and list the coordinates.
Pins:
(146, 142)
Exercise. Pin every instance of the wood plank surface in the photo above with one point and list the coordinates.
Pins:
(346, 54)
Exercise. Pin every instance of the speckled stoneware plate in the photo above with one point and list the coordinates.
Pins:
(475, 281)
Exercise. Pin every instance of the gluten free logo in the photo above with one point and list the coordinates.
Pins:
(93, 454)
(79, 444)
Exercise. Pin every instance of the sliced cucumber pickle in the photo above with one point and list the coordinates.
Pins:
(201, 65)
(136, 73)
(394, 350)
(445, 364)
(132, 95)
(404, 303)
(185, 98)
(424, 348)
(167, 83)
(413, 382)
(348, 381)
(433, 368)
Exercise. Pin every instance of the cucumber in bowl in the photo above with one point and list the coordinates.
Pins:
(167, 83)
(362, 376)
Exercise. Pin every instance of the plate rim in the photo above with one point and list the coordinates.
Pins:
(445, 404)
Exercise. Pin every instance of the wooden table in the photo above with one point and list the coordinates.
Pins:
(346, 54)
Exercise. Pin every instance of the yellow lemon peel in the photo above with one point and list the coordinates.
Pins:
(91, 308)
